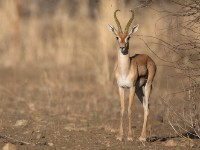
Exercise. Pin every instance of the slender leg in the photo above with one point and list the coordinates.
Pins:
(146, 111)
(121, 94)
(131, 98)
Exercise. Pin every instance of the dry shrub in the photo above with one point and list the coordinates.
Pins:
(183, 52)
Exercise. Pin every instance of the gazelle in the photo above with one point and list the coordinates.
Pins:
(134, 72)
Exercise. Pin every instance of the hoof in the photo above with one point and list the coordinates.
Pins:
(142, 139)
(130, 138)
(119, 137)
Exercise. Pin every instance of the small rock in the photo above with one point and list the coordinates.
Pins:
(170, 143)
(9, 146)
(21, 123)
(44, 142)
(50, 144)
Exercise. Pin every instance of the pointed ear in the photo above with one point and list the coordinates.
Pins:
(112, 29)
(134, 29)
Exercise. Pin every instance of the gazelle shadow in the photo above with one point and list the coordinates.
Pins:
(189, 134)
(160, 139)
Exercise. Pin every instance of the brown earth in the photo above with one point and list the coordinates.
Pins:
(58, 108)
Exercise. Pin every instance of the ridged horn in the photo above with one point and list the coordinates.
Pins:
(117, 21)
(129, 22)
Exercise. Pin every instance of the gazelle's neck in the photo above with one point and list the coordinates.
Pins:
(123, 63)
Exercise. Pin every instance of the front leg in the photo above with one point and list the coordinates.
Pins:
(131, 98)
(121, 94)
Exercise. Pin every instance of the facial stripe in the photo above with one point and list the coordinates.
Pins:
(127, 39)
(120, 39)
(123, 37)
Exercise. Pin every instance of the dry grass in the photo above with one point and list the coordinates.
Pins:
(30, 36)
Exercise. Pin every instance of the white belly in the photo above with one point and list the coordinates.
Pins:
(124, 82)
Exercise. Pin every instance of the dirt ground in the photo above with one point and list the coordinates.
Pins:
(55, 108)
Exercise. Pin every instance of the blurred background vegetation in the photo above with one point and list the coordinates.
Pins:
(69, 32)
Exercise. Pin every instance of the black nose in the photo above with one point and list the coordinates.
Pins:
(122, 48)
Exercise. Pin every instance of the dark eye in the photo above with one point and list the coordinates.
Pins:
(117, 38)
(128, 38)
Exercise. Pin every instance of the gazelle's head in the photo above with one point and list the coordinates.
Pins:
(123, 37)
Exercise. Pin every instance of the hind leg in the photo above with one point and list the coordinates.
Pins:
(141, 97)
(147, 91)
